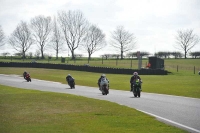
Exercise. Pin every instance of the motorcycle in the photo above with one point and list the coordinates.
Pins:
(104, 86)
(71, 83)
(28, 78)
(137, 89)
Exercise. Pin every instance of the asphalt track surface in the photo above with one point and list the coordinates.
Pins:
(182, 112)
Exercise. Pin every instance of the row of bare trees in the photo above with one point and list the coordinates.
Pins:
(70, 28)
(195, 54)
(160, 54)
(73, 30)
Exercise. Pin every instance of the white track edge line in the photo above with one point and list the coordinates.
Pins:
(190, 128)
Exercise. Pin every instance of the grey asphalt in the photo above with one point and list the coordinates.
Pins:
(182, 112)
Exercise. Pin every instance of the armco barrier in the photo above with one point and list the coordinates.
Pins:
(85, 68)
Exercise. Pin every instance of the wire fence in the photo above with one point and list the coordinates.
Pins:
(179, 68)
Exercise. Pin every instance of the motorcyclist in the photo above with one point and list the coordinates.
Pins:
(27, 77)
(133, 79)
(24, 74)
(99, 80)
(68, 78)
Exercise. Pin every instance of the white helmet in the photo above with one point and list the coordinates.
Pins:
(69, 75)
(103, 75)
(135, 73)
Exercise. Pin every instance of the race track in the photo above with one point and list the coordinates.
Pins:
(182, 112)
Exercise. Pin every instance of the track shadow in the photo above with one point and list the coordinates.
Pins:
(134, 97)
(70, 88)
(24, 81)
(100, 94)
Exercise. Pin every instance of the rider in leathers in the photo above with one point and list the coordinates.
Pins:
(99, 80)
(133, 79)
(68, 78)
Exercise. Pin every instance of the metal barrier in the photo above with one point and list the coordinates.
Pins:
(85, 68)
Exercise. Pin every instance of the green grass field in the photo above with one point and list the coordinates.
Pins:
(30, 111)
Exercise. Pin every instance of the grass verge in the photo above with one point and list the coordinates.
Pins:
(31, 111)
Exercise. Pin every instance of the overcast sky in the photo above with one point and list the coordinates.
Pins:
(153, 22)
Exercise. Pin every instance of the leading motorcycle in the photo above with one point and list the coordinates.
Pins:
(137, 89)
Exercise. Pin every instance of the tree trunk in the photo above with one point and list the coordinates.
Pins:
(185, 54)
(23, 55)
(121, 54)
(89, 56)
(42, 54)
(56, 54)
(72, 52)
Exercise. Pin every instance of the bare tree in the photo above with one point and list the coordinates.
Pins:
(37, 54)
(78, 55)
(18, 54)
(74, 26)
(186, 40)
(2, 37)
(163, 54)
(94, 40)
(30, 54)
(57, 39)
(115, 56)
(41, 26)
(21, 38)
(5, 54)
(122, 40)
(134, 54)
(106, 56)
(195, 54)
(176, 54)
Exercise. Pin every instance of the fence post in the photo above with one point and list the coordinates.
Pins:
(131, 62)
(139, 62)
(177, 68)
